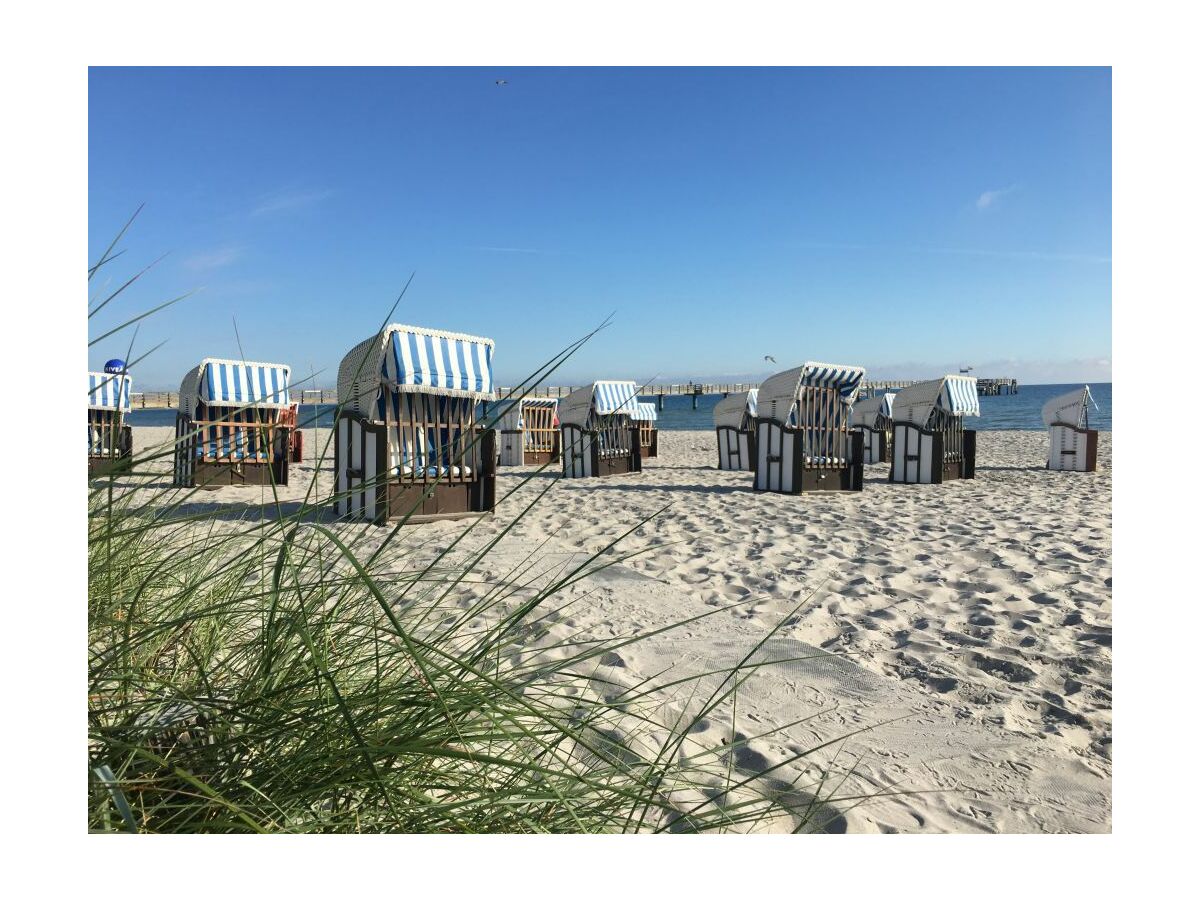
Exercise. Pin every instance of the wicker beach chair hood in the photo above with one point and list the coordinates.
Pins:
(1069, 408)
(604, 398)
(868, 412)
(408, 359)
(230, 383)
(777, 395)
(732, 411)
(111, 392)
(957, 395)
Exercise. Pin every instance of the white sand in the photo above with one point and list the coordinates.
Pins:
(971, 619)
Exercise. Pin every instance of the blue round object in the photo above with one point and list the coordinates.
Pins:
(114, 367)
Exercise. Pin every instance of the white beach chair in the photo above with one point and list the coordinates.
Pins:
(407, 438)
(802, 438)
(872, 417)
(529, 432)
(735, 439)
(599, 435)
(1073, 445)
(235, 424)
(110, 439)
(645, 415)
(929, 443)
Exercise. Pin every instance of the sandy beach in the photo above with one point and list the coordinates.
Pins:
(962, 632)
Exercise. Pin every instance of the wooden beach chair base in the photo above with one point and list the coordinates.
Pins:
(782, 467)
(112, 463)
(212, 475)
(922, 457)
(583, 458)
(366, 490)
(1073, 449)
(649, 442)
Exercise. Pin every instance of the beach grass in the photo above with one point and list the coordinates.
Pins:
(276, 670)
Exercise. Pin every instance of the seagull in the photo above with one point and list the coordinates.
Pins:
(501, 81)
(769, 359)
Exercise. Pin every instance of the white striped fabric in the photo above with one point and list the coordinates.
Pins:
(109, 391)
(600, 398)
(407, 359)
(230, 383)
(960, 396)
(644, 412)
(868, 413)
(955, 394)
(1069, 408)
(778, 394)
(420, 359)
(731, 412)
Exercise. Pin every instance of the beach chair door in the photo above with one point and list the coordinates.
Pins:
(360, 455)
(776, 465)
(916, 455)
(578, 452)
(1070, 450)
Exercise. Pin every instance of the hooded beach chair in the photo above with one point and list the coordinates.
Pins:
(929, 443)
(645, 415)
(235, 424)
(529, 432)
(407, 438)
(110, 440)
(872, 417)
(802, 436)
(1073, 445)
(599, 435)
(735, 439)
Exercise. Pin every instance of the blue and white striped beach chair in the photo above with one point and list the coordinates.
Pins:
(599, 435)
(802, 438)
(234, 425)
(529, 432)
(929, 443)
(407, 441)
(1073, 446)
(735, 439)
(110, 439)
(872, 417)
(645, 415)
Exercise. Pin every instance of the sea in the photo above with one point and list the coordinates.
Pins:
(1021, 411)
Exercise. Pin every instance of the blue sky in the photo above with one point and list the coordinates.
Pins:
(908, 220)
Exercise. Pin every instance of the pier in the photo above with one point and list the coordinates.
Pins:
(988, 387)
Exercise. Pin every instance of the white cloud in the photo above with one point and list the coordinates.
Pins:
(213, 259)
(988, 199)
(288, 201)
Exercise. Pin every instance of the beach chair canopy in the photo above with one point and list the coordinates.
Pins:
(602, 398)
(1069, 408)
(513, 418)
(229, 383)
(956, 395)
(405, 359)
(644, 412)
(777, 395)
(109, 391)
(732, 411)
(868, 412)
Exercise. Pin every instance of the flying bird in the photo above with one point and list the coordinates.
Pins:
(770, 359)
(501, 81)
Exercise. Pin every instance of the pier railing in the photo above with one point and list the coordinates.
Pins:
(988, 387)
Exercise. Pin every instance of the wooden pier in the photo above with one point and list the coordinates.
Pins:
(988, 387)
